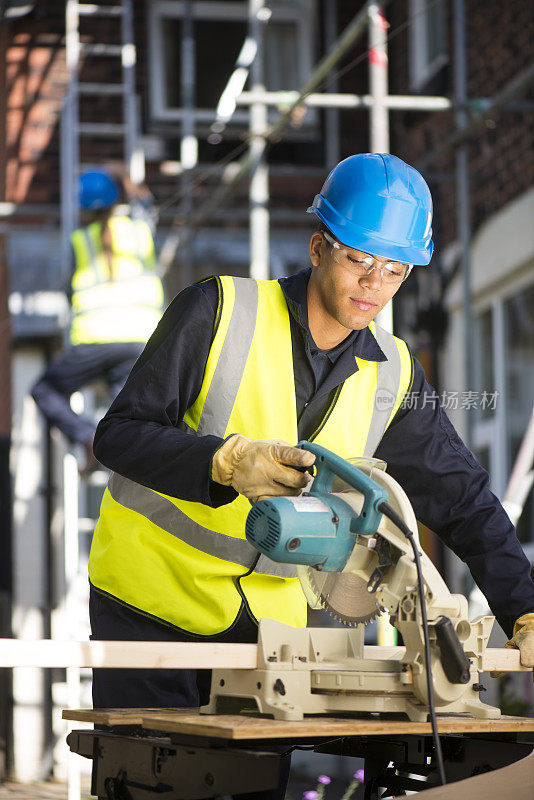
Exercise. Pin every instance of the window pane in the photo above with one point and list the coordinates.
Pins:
(215, 64)
(485, 376)
(217, 45)
(519, 366)
(281, 56)
(519, 342)
(435, 21)
(525, 526)
(171, 32)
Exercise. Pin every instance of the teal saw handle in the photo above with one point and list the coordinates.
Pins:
(328, 465)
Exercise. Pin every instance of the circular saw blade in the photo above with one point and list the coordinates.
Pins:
(344, 596)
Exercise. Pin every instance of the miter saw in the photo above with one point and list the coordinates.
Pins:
(354, 561)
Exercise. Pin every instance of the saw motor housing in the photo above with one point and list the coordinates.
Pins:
(355, 563)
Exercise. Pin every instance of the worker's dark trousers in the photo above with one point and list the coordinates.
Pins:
(78, 366)
(162, 688)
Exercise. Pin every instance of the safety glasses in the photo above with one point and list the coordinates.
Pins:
(391, 272)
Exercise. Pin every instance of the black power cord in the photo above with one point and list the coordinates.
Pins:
(397, 520)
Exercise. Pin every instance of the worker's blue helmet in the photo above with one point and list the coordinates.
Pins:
(97, 190)
(376, 203)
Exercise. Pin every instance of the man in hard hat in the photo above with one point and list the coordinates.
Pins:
(237, 372)
(116, 302)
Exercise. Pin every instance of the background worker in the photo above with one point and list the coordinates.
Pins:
(116, 301)
(235, 364)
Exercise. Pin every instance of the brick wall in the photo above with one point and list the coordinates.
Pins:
(35, 77)
(500, 43)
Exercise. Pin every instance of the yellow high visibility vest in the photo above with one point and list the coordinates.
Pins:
(121, 305)
(180, 561)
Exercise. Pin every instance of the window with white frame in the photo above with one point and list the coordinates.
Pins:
(505, 372)
(220, 29)
(427, 40)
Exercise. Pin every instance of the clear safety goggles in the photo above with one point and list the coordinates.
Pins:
(391, 272)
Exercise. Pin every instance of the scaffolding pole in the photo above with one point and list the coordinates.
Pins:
(188, 142)
(333, 100)
(259, 180)
(394, 102)
(378, 80)
(133, 155)
(69, 139)
(332, 112)
(463, 203)
(379, 121)
(379, 139)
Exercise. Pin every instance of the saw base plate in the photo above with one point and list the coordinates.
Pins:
(323, 671)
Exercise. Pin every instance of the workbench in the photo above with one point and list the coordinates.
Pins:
(149, 753)
(139, 754)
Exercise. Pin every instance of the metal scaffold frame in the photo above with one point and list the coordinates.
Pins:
(73, 129)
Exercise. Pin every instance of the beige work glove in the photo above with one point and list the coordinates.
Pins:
(259, 469)
(522, 640)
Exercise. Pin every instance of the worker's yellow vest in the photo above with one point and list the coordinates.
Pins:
(122, 304)
(180, 561)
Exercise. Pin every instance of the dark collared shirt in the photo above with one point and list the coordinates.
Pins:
(318, 373)
(140, 439)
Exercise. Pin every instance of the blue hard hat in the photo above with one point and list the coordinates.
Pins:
(97, 190)
(376, 203)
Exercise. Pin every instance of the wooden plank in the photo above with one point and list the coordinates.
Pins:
(233, 726)
(120, 716)
(241, 727)
(191, 655)
(126, 655)
(503, 659)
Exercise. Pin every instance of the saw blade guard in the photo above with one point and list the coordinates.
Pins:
(345, 595)
(317, 585)
(337, 531)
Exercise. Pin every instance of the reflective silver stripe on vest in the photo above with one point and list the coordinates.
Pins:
(166, 515)
(388, 382)
(229, 370)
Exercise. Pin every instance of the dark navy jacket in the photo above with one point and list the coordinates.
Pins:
(140, 439)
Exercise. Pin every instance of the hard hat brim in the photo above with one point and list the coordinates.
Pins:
(348, 233)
